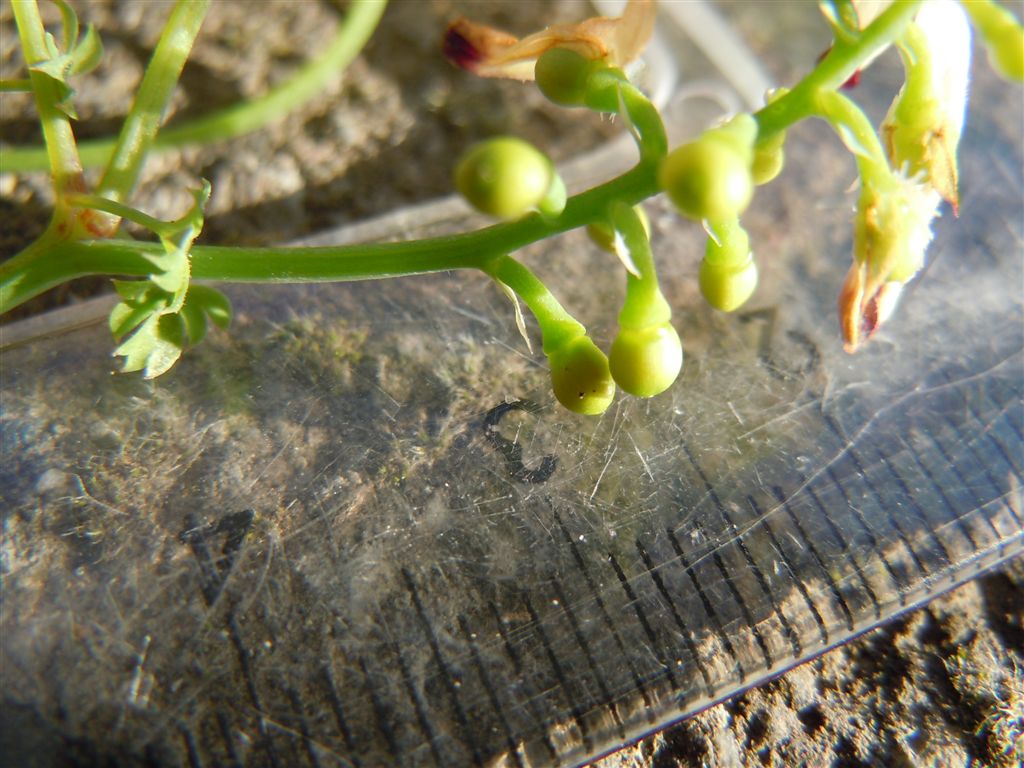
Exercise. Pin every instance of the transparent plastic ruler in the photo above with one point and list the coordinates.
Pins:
(358, 531)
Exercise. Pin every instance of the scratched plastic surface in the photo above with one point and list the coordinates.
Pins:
(359, 532)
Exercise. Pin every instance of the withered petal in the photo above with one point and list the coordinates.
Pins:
(864, 309)
(849, 306)
(490, 52)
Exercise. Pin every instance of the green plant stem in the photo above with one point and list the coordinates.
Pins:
(353, 32)
(836, 68)
(645, 122)
(60, 151)
(13, 86)
(26, 275)
(121, 211)
(644, 305)
(612, 92)
(857, 133)
(154, 94)
(557, 326)
(918, 66)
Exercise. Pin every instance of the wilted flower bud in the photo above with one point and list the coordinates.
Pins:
(489, 52)
(891, 234)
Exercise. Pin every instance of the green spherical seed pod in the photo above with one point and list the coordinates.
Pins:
(580, 377)
(645, 362)
(728, 287)
(768, 162)
(602, 93)
(504, 177)
(740, 133)
(562, 76)
(554, 201)
(707, 179)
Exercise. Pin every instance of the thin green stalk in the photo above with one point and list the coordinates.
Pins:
(644, 122)
(644, 305)
(60, 151)
(836, 68)
(353, 33)
(556, 325)
(122, 211)
(856, 132)
(26, 275)
(154, 94)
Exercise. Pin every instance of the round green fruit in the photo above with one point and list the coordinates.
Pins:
(580, 377)
(645, 362)
(707, 179)
(727, 287)
(504, 177)
(768, 160)
(562, 76)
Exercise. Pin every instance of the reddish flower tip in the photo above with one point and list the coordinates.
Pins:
(459, 50)
(852, 82)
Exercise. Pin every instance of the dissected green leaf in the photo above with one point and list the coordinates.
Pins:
(195, 321)
(126, 316)
(214, 303)
(130, 289)
(87, 53)
(76, 56)
(164, 312)
(172, 271)
(135, 350)
(123, 317)
(159, 332)
(170, 340)
(154, 347)
(204, 303)
(141, 300)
